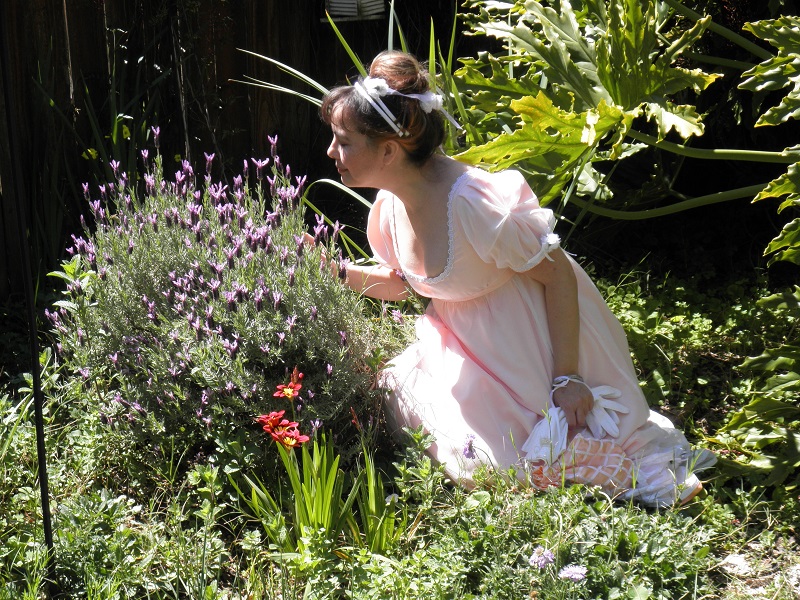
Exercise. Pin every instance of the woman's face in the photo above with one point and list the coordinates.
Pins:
(356, 156)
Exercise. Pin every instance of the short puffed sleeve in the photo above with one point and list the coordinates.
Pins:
(379, 230)
(501, 217)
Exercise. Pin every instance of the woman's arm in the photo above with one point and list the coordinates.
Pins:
(563, 321)
(376, 281)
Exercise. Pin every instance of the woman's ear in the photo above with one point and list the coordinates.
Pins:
(391, 152)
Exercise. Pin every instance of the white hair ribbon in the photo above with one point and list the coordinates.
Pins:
(373, 88)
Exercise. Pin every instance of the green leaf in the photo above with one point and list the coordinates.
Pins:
(477, 499)
(488, 90)
(761, 410)
(683, 119)
(640, 592)
(773, 74)
(782, 301)
(787, 184)
(546, 130)
(786, 357)
(789, 108)
(783, 32)
(777, 72)
(786, 246)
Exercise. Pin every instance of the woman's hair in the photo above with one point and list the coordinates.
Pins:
(402, 72)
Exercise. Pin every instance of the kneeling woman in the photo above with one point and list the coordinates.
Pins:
(518, 360)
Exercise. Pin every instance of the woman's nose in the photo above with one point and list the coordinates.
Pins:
(331, 149)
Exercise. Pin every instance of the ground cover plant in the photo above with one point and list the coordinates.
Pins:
(213, 432)
(213, 515)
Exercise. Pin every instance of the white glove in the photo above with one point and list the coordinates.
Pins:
(548, 438)
(603, 418)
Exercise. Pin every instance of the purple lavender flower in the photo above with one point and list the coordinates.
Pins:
(573, 573)
(230, 253)
(156, 136)
(260, 164)
(241, 291)
(230, 298)
(194, 213)
(276, 299)
(329, 369)
(313, 315)
(218, 268)
(145, 155)
(541, 557)
(336, 229)
(209, 161)
(343, 338)
(469, 448)
(320, 233)
(343, 262)
(291, 322)
(300, 242)
(397, 316)
(281, 338)
(217, 192)
(231, 347)
(273, 145)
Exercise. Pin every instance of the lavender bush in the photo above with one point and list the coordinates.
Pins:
(193, 300)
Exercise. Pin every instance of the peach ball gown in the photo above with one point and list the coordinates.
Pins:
(479, 375)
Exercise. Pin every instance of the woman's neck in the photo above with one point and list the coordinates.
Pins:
(413, 184)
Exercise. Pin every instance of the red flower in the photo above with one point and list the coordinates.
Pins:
(283, 431)
(291, 389)
(291, 437)
(271, 420)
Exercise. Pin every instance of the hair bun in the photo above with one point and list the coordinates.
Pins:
(401, 71)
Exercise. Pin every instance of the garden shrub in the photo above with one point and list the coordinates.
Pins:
(193, 300)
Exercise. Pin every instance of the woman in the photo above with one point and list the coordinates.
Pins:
(518, 359)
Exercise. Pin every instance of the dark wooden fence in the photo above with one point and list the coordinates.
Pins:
(99, 73)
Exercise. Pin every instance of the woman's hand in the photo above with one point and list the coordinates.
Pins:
(308, 240)
(576, 400)
(333, 265)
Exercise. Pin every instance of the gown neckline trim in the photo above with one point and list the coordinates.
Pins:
(450, 234)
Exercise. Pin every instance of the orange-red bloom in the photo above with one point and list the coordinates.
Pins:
(291, 438)
(291, 389)
(271, 420)
(282, 430)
